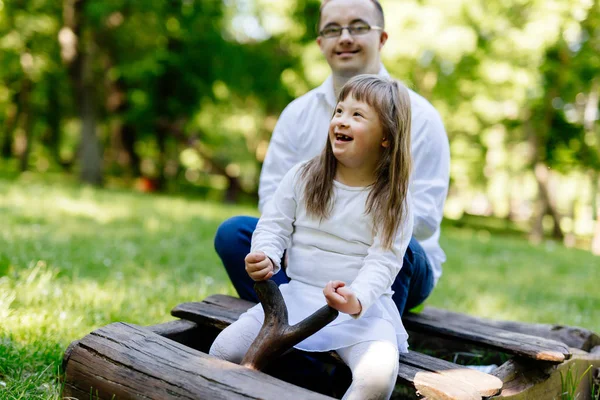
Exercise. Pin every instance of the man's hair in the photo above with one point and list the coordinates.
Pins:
(380, 19)
(387, 199)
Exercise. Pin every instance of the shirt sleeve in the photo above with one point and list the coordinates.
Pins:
(381, 266)
(274, 229)
(431, 174)
(281, 156)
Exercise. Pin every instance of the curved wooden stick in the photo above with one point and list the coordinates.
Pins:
(276, 336)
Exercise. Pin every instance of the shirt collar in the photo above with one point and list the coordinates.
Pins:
(325, 91)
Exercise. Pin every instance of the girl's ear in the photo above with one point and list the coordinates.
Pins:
(385, 143)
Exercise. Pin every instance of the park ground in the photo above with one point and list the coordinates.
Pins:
(73, 259)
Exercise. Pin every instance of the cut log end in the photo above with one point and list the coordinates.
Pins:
(435, 386)
(553, 356)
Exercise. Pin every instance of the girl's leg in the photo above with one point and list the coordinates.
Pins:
(374, 367)
(233, 342)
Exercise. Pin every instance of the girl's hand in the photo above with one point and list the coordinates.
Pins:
(341, 298)
(259, 266)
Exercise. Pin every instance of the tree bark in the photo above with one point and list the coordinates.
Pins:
(590, 125)
(27, 122)
(76, 53)
(122, 361)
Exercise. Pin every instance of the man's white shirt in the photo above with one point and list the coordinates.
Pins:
(301, 134)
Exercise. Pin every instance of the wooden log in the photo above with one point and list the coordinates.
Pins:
(519, 344)
(437, 378)
(576, 337)
(527, 380)
(276, 336)
(523, 345)
(122, 361)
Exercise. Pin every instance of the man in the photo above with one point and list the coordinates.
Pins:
(351, 36)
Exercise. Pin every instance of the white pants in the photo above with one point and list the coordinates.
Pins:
(374, 364)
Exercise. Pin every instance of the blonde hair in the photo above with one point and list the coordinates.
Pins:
(387, 200)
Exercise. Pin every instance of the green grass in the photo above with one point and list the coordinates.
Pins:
(73, 259)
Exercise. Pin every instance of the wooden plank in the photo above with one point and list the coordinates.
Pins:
(576, 337)
(436, 323)
(127, 362)
(519, 344)
(220, 311)
(173, 328)
(229, 302)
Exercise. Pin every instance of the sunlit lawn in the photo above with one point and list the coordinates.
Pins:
(74, 259)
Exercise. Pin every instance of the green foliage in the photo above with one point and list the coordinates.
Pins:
(169, 75)
(570, 382)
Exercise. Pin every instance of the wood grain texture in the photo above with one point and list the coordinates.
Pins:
(435, 322)
(527, 380)
(575, 337)
(528, 346)
(452, 379)
(127, 362)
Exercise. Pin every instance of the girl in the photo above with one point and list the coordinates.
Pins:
(344, 218)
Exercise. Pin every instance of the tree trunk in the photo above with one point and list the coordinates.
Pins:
(590, 125)
(76, 53)
(542, 175)
(52, 136)
(27, 122)
(12, 117)
(90, 156)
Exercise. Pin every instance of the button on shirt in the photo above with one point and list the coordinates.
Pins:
(301, 134)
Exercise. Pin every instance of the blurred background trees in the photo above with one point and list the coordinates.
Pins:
(182, 95)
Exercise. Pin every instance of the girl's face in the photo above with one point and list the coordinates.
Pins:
(356, 135)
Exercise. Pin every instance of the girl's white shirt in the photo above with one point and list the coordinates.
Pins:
(341, 247)
(301, 134)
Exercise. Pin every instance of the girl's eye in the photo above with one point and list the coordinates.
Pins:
(338, 111)
(357, 114)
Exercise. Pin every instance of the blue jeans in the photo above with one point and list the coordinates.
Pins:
(412, 286)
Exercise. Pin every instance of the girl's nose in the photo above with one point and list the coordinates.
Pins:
(341, 122)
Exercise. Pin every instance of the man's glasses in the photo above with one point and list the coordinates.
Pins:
(355, 29)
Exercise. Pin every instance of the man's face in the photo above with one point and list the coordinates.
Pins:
(349, 55)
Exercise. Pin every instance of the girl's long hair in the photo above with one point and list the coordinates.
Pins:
(387, 200)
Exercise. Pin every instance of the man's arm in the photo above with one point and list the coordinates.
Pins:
(431, 174)
(282, 155)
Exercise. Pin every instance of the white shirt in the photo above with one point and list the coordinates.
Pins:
(301, 134)
(341, 247)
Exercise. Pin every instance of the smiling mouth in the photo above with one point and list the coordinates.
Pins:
(347, 52)
(343, 138)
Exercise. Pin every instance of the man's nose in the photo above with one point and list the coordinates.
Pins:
(345, 36)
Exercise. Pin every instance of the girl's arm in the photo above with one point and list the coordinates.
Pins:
(275, 226)
(381, 266)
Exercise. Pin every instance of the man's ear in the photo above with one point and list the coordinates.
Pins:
(319, 42)
(382, 39)
(385, 143)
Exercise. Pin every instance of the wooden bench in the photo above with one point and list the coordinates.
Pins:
(163, 361)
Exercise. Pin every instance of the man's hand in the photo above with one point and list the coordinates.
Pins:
(259, 266)
(341, 298)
